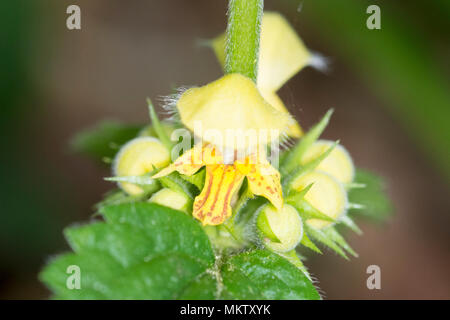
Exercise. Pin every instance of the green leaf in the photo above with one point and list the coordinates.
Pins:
(204, 287)
(377, 205)
(258, 275)
(147, 251)
(143, 251)
(104, 140)
(261, 274)
(171, 230)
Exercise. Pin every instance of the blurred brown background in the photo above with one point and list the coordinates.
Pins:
(56, 82)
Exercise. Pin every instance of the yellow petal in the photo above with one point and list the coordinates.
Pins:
(281, 52)
(138, 157)
(326, 195)
(212, 206)
(274, 100)
(338, 163)
(191, 161)
(263, 180)
(230, 109)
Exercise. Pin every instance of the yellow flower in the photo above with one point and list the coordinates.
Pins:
(213, 205)
(138, 157)
(326, 195)
(171, 198)
(282, 54)
(338, 163)
(282, 230)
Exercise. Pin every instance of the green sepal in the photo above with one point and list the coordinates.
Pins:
(297, 196)
(197, 179)
(309, 244)
(336, 237)
(310, 166)
(157, 126)
(293, 258)
(145, 181)
(320, 236)
(349, 223)
(307, 211)
(176, 182)
(293, 157)
(264, 227)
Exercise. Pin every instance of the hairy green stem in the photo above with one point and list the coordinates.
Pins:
(243, 31)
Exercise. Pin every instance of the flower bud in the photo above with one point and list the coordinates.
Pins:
(138, 157)
(326, 194)
(172, 199)
(338, 163)
(281, 230)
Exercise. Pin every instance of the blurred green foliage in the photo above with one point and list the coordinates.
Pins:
(405, 63)
(373, 199)
(30, 199)
(104, 139)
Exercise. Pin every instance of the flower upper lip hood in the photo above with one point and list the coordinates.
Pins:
(229, 108)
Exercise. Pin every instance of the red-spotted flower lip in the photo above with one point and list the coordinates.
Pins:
(213, 205)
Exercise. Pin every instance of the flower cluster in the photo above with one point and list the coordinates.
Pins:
(224, 179)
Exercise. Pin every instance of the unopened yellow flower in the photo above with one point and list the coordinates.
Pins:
(213, 205)
(326, 195)
(138, 157)
(281, 55)
(285, 225)
(171, 198)
(338, 163)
